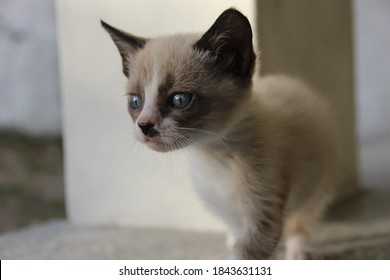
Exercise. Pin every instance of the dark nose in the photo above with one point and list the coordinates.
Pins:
(147, 129)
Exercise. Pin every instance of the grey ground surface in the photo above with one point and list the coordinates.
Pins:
(60, 240)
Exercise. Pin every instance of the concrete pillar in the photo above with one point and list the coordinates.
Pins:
(313, 40)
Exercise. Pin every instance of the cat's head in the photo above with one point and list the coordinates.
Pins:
(185, 89)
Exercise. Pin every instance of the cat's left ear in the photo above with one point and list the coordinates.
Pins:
(229, 40)
(126, 43)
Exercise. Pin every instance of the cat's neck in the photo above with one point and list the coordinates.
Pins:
(244, 131)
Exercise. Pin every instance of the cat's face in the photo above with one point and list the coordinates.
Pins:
(185, 89)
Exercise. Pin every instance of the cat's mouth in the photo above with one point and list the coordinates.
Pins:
(163, 144)
(157, 143)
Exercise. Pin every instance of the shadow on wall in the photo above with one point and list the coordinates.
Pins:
(370, 206)
(31, 181)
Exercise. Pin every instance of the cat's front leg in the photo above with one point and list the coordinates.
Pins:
(262, 229)
(258, 241)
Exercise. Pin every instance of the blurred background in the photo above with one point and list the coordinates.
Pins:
(31, 167)
(31, 131)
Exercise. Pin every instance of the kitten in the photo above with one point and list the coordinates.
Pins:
(265, 150)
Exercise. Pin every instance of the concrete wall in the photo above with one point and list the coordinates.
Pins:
(29, 88)
(110, 178)
(313, 40)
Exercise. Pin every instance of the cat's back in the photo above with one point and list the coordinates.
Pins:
(294, 106)
(301, 118)
(307, 135)
(290, 97)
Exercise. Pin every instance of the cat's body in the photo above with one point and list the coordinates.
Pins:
(263, 152)
(275, 167)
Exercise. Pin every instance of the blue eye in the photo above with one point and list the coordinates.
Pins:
(135, 102)
(181, 100)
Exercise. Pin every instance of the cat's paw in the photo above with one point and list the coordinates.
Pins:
(302, 255)
(298, 248)
(230, 241)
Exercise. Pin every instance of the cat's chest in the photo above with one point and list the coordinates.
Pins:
(222, 175)
(220, 184)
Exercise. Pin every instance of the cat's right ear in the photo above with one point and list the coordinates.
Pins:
(126, 43)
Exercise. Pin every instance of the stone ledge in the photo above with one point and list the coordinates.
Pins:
(61, 240)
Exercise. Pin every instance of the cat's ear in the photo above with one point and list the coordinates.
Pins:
(126, 43)
(229, 40)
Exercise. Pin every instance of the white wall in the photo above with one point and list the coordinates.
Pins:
(372, 61)
(29, 90)
(111, 179)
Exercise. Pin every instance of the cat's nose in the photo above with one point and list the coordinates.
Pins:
(148, 129)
